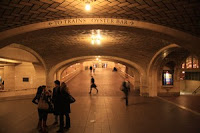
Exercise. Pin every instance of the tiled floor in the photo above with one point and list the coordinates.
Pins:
(104, 112)
(191, 102)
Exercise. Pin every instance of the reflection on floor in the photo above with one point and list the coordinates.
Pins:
(104, 112)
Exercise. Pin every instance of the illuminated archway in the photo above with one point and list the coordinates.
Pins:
(69, 62)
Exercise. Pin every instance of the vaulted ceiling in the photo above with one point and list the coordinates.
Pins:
(183, 15)
(57, 44)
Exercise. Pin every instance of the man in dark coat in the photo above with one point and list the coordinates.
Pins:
(126, 89)
(64, 107)
(54, 99)
(91, 69)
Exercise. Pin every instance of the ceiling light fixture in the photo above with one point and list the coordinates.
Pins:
(96, 38)
(88, 4)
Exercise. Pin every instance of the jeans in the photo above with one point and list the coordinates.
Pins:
(62, 121)
(42, 114)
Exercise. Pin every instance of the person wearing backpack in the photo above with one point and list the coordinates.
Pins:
(41, 99)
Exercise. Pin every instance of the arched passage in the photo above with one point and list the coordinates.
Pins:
(21, 67)
(61, 66)
(165, 60)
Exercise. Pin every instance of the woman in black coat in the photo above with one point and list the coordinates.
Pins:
(64, 106)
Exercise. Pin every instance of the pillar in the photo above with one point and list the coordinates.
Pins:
(9, 77)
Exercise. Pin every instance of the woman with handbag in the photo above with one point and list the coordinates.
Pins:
(63, 98)
(42, 100)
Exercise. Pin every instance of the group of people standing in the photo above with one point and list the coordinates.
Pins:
(57, 103)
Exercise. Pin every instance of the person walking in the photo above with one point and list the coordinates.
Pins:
(42, 97)
(94, 70)
(93, 85)
(126, 89)
(64, 107)
(90, 69)
(55, 91)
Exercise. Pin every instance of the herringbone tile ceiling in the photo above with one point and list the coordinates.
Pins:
(183, 15)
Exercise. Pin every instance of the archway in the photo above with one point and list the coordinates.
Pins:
(160, 66)
(22, 68)
(63, 65)
(189, 73)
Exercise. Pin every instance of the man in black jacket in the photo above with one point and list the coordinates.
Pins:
(55, 92)
(63, 109)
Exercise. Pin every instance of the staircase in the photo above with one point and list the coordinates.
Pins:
(196, 91)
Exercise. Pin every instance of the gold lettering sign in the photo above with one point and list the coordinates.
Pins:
(88, 21)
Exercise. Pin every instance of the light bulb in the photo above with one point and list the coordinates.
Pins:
(99, 36)
(87, 6)
(93, 42)
(98, 42)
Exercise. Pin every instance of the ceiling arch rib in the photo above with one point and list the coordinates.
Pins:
(99, 21)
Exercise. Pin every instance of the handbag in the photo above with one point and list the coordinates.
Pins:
(51, 108)
(71, 99)
(42, 104)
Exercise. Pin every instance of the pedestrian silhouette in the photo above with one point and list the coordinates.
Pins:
(126, 89)
(90, 69)
(93, 85)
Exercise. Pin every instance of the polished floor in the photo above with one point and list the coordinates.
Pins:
(104, 112)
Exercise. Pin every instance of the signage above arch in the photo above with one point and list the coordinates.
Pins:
(90, 21)
(99, 21)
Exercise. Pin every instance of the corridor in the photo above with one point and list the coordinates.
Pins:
(104, 112)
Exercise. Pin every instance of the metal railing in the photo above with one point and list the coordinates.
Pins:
(196, 91)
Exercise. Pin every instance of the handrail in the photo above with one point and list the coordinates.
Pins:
(14, 90)
(127, 74)
(71, 75)
(198, 89)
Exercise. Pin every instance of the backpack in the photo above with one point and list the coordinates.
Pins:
(42, 104)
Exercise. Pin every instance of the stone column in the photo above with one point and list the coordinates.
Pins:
(144, 90)
(40, 75)
(153, 84)
(82, 67)
(9, 77)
